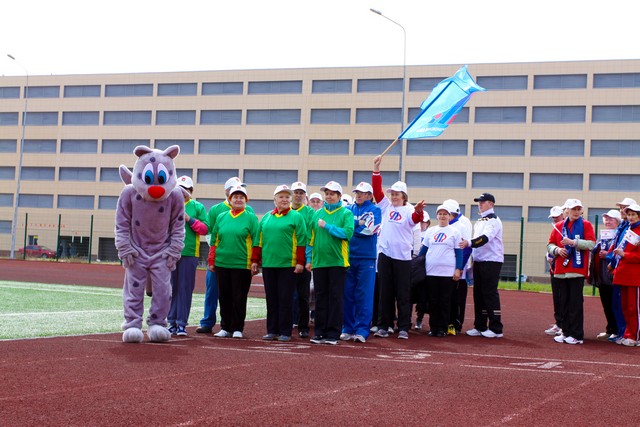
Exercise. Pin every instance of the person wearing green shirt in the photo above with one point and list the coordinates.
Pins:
(183, 278)
(331, 229)
(232, 241)
(280, 249)
(208, 321)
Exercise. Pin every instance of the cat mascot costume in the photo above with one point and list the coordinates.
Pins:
(149, 238)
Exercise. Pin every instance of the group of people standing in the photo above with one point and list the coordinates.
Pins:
(354, 253)
(611, 262)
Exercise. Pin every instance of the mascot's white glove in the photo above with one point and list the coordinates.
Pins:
(171, 261)
(129, 259)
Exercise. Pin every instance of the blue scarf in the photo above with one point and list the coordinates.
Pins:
(620, 232)
(576, 232)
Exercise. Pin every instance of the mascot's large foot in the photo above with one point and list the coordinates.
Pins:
(158, 333)
(132, 335)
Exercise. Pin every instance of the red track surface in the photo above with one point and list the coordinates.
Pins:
(523, 379)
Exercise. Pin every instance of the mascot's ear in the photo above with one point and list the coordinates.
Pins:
(172, 151)
(140, 150)
(125, 174)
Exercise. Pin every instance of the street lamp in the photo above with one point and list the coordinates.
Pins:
(14, 224)
(404, 76)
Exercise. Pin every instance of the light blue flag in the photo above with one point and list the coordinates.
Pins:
(442, 106)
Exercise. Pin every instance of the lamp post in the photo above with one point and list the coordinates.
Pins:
(14, 224)
(404, 76)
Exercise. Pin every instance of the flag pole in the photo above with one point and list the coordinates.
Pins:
(389, 147)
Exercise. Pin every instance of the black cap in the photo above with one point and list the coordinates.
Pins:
(485, 197)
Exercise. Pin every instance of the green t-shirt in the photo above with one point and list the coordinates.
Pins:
(328, 250)
(195, 210)
(307, 213)
(216, 210)
(233, 237)
(279, 237)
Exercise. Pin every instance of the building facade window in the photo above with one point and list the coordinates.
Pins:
(501, 115)
(563, 114)
(538, 214)
(461, 117)
(77, 174)
(186, 145)
(128, 90)
(215, 176)
(329, 147)
(616, 80)
(127, 118)
(616, 114)
(557, 148)
(7, 173)
(498, 147)
(330, 116)
(38, 118)
(388, 177)
(331, 86)
(40, 145)
(272, 146)
(177, 89)
(437, 179)
(613, 182)
(79, 146)
(221, 117)
(503, 82)
(489, 180)
(273, 117)
(75, 202)
(110, 175)
(6, 200)
(317, 177)
(44, 201)
(437, 147)
(615, 148)
(222, 88)
(424, 84)
(12, 92)
(80, 118)
(379, 85)
(273, 177)
(261, 88)
(560, 81)
(509, 213)
(82, 91)
(122, 146)
(555, 181)
(373, 147)
(8, 145)
(108, 202)
(8, 119)
(219, 146)
(43, 92)
(174, 118)
(378, 115)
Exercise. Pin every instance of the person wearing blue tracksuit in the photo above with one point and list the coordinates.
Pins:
(359, 285)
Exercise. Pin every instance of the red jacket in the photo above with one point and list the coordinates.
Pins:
(556, 238)
(627, 273)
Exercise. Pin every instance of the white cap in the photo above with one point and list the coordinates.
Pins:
(627, 202)
(364, 187)
(572, 203)
(299, 186)
(282, 189)
(613, 213)
(232, 182)
(316, 196)
(452, 206)
(555, 211)
(347, 200)
(185, 181)
(634, 207)
(332, 186)
(398, 186)
(238, 189)
(425, 216)
(443, 207)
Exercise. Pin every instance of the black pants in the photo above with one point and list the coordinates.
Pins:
(233, 286)
(303, 281)
(458, 304)
(328, 285)
(439, 291)
(606, 297)
(279, 284)
(572, 307)
(395, 288)
(486, 300)
(555, 294)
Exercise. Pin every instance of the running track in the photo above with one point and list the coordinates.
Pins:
(524, 379)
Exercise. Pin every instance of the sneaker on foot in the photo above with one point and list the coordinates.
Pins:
(451, 330)
(284, 338)
(629, 342)
(572, 341)
(346, 337)
(553, 330)
(390, 330)
(303, 334)
(331, 341)
(270, 337)
(359, 338)
(418, 325)
(173, 328)
(602, 336)
(237, 334)
(222, 334)
(204, 329)
(612, 337)
(490, 334)
(181, 331)
(474, 332)
(403, 335)
(373, 329)
(381, 333)
(317, 339)
(559, 338)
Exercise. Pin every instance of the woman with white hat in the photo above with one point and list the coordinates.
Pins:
(232, 238)
(331, 230)
(570, 241)
(395, 243)
(627, 276)
(280, 249)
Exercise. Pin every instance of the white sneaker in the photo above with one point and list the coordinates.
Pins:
(603, 336)
(490, 334)
(553, 330)
(345, 336)
(403, 335)
(572, 341)
(474, 332)
(359, 338)
(222, 334)
(629, 342)
(237, 334)
(559, 338)
(390, 330)
(373, 329)
(418, 326)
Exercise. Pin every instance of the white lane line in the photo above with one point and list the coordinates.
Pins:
(506, 368)
(53, 313)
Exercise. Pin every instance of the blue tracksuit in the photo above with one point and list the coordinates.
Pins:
(361, 276)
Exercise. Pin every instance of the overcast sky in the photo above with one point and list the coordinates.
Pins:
(118, 36)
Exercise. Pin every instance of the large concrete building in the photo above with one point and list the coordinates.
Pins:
(543, 132)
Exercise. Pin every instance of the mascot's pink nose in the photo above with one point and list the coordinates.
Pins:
(156, 191)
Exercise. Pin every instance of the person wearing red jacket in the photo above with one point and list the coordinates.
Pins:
(570, 242)
(627, 276)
